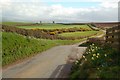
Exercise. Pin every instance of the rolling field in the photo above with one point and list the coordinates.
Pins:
(79, 34)
(54, 26)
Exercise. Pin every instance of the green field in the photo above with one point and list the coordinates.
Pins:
(54, 26)
(16, 47)
(79, 34)
(45, 25)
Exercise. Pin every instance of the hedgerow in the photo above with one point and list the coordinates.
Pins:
(43, 33)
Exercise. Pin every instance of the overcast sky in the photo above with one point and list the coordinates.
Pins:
(59, 10)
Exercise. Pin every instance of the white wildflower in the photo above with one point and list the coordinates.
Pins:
(105, 55)
(86, 52)
(83, 56)
(94, 54)
(76, 62)
(92, 58)
(85, 59)
(98, 54)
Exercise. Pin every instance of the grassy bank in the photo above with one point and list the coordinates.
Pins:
(16, 47)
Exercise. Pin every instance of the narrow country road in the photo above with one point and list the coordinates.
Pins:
(48, 64)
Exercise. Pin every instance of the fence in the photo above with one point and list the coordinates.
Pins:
(113, 37)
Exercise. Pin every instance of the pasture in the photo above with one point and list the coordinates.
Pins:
(54, 26)
(79, 34)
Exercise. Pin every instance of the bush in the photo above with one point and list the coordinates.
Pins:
(102, 61)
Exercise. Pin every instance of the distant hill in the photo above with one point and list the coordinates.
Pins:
(106, 25)
(15, 23)
(97, 24)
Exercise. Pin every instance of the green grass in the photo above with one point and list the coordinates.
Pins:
(16, 47)
(54, 26)
(79, 34)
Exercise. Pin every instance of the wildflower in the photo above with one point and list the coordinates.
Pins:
(76, 62)
(83, 56)
(85, 59)
(93, 44)
(89, 50)
(80, 64)
(92, 58)
(86, 52)
(96, 47)
(92, 50)
(105, 55)
(98, 54)
(94, 54)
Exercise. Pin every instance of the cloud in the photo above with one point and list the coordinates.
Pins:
(76, 0)
(109, 4)
(36, 11)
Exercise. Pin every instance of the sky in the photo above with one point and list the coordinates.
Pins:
(59, 10)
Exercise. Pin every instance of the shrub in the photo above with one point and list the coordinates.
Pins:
(102, 61)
